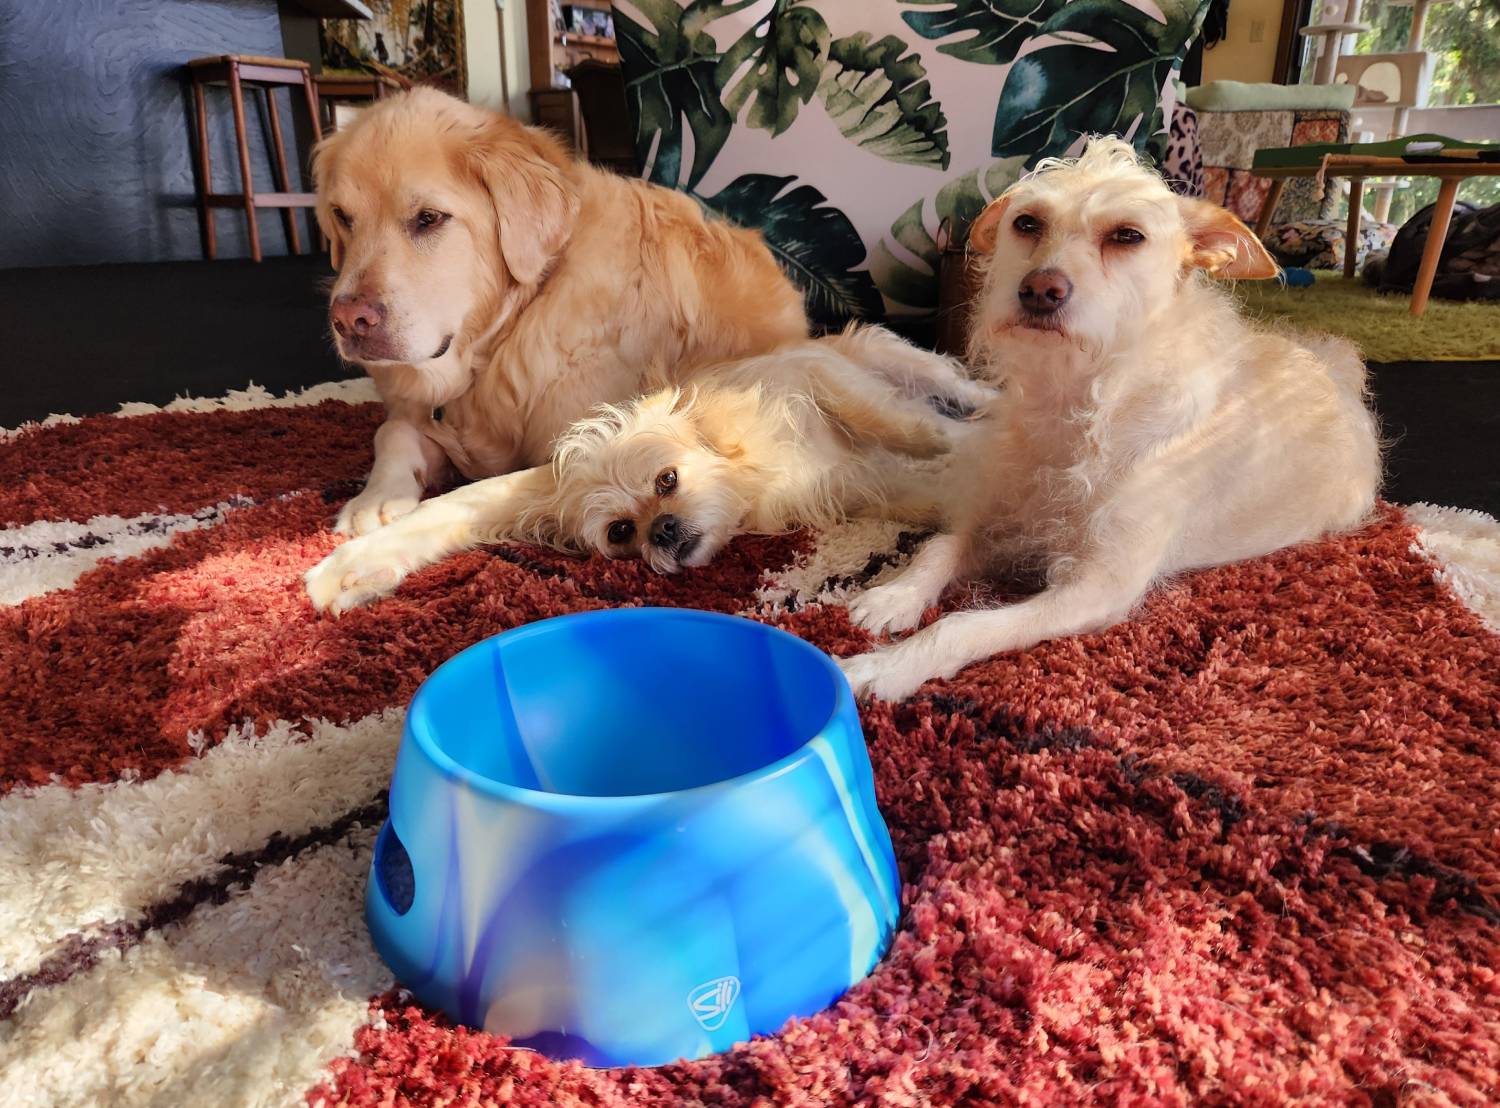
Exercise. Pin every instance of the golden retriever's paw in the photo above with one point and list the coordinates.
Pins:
(374, 508)
(888, 608)
(352, 575)
(880, 674)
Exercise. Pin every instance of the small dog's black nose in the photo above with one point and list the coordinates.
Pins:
(664, 532)
(1044, 290)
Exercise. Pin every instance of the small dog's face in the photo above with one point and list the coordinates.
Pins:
(647, 482)
(1091, 253)
(434, 210)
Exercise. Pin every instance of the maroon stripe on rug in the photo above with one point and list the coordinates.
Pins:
(181, 461)
(1077, 927)
(113, 675)
(79, 952)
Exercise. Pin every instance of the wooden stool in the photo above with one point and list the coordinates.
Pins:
(336, 88)
(236, 71)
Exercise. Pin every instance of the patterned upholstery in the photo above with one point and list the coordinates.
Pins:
(1229, 141)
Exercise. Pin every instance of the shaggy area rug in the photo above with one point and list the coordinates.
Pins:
(1242, 849)
(1381, 325)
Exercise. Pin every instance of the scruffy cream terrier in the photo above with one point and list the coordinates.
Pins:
(817, 431)
(1145, 428)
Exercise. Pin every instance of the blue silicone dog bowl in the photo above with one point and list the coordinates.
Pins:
(633, 836)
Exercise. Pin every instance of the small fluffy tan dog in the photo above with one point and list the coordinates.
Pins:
(810, 434)
(1144, 428)
(483, 271)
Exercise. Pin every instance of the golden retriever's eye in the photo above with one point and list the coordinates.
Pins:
(427, 219)
(621, 531)
(1126, 236)
(343, 218)
(666, 482)
(1027, 225)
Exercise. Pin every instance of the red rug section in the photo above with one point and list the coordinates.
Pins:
(179, 461)
(1242, 849)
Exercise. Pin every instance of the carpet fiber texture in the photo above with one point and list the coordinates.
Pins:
(1380, 325)
(1242, 849)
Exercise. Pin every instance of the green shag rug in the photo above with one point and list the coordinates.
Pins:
(1382, 326)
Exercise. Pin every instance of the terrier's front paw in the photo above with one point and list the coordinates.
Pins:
(888, 608)
(374, 508)
(881, 674)
(352, 575)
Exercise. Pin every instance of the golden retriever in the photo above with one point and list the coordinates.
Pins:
(1145, 428)
(486, 273)
(814, 432)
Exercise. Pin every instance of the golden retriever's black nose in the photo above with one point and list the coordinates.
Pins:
(1044, 290)
(356, 315)
(664, 532)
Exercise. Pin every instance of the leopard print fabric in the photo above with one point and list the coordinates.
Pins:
(1183, 165)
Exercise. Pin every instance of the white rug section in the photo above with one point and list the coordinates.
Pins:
(47, 555)
(104, 852)
(820, 577)
(355, 390)
(1464, 544)
(242, 1005)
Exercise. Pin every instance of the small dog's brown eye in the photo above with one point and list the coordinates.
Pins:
(1027, 225)
(343, 218)
(1126, 236)
(621, 531)
(427, 219)
(666, 482)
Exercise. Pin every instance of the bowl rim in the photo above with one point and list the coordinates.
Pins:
(454, 770)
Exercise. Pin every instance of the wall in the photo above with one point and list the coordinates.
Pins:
(482, 39)
(1248, 50)
(96, 149)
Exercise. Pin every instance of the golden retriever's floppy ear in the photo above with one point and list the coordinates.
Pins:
(535, 203)
(1222, 244)
(986, 228)
(322, 169)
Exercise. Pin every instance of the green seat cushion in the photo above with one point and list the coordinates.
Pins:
(1240, 96)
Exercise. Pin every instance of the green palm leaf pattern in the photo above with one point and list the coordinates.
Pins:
(958, 202)
(1058, 93)
(882, 101)
(672, 70)
(815, 244)
(992, 30)
(785, 53)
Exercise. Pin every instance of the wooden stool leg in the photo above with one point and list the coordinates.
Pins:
(288, 216)
(237, 99)
(311, 92)
(1268, 208)
(205, 176)
(1437, 234)
(1351, 231)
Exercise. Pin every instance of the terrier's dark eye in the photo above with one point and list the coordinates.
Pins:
(1126, 236)
(343, 218)
(621, 531)
(427, 219)
(1027, 225)
(666, 482)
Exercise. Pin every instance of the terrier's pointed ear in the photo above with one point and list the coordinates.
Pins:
(986, 228)
(1221, 244)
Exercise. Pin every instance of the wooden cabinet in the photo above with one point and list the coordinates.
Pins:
(554, 47)
(557, 110)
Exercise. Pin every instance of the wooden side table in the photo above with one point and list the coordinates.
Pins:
(236, 71)
(339, 88)
(1357, 167)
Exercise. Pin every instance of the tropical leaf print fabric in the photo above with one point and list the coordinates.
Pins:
(849, 131)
